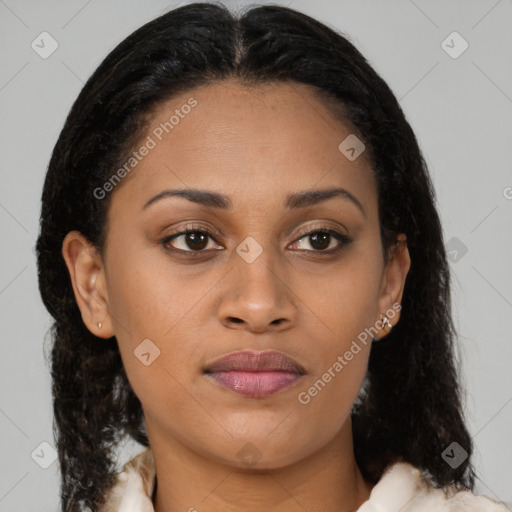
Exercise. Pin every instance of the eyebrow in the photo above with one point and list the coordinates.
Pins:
(293, 201)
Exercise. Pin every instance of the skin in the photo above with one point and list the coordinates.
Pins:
(255, 145)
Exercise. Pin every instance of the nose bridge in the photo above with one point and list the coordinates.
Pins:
(256, 266)
(256, 292)
(258, 251)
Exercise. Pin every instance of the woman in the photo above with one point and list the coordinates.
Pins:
(240, 248)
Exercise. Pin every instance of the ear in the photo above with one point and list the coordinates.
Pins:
(392, 286)
(88, 280)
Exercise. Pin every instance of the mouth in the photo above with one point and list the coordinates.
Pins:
(255, 374)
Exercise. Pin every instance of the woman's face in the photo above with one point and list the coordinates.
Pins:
(256, 282)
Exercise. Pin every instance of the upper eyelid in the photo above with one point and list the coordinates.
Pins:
(319, 225)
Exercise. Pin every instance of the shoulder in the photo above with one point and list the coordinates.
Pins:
(134, 486)
(403, 488)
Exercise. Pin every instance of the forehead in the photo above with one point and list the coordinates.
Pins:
(252, 142)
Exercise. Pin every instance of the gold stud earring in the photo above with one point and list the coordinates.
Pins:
(99, 325)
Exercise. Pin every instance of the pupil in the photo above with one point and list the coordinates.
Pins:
(325, 237)
(196, 240)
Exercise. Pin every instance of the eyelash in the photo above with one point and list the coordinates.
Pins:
(340, 237)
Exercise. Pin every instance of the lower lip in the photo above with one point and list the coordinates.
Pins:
(255, 384)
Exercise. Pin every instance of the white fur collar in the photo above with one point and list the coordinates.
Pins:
(401, 488)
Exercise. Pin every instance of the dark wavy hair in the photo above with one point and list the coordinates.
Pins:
(411, 408)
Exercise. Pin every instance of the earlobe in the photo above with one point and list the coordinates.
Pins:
(393, 284)
(86, 273)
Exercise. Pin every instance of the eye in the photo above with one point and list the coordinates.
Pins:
(192, 239)
(321, 238)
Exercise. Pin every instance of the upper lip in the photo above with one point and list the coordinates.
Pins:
(251, 361)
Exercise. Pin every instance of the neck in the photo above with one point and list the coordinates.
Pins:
(328, 480)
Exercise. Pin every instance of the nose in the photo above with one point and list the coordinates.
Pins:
(257, 297)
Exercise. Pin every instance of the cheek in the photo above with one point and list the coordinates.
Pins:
(147, 303)
(342, 301)
(341, 310)
(328, 395)
(147, 293)
(155, 304)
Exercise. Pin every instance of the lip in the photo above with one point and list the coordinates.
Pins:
(253, 361)
(255, 374)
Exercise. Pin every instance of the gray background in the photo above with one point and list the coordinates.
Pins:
(460, 109)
